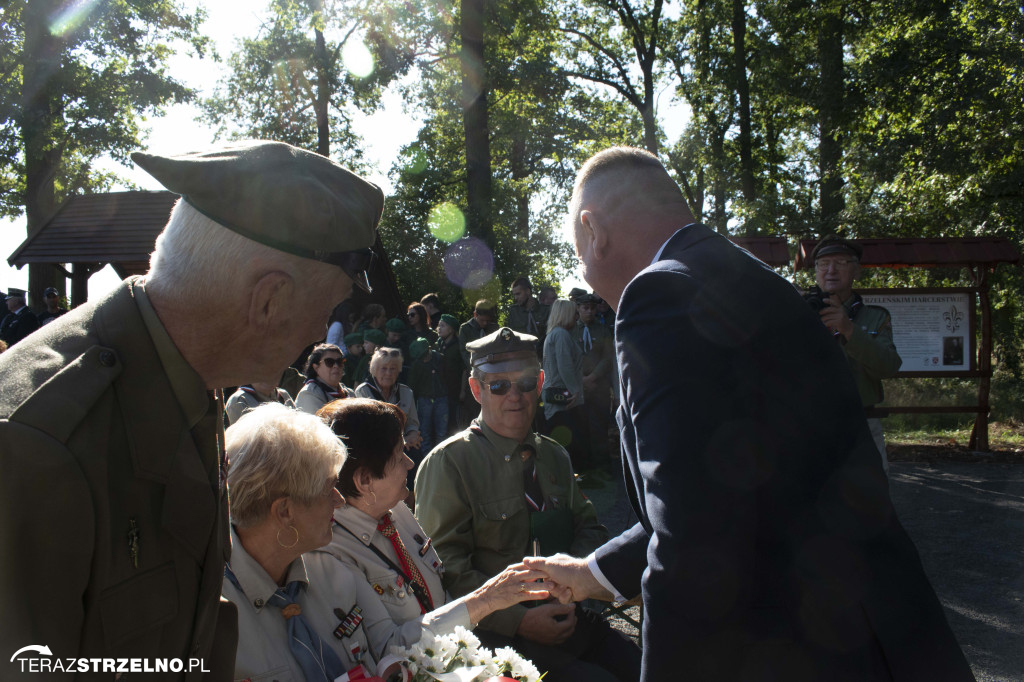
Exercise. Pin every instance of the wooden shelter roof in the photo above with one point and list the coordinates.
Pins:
(923, 253)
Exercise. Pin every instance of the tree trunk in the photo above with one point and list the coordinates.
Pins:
(830, 108)
(520, 173)
(41, 117)
(474, 120)
(739, 31)
(323, 92)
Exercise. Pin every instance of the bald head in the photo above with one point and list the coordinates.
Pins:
(624, 206)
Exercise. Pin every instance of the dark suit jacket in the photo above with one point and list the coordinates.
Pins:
(767, 544)
(95, 451)
(16, 326)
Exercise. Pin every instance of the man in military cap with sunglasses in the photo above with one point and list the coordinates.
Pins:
(114, 519)
(496, 492)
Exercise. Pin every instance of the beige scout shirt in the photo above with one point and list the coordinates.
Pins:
(313, 396)
(247, 398)
(354, 550)
(331, 593)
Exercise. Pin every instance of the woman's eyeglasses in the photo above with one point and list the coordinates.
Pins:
(502, 386)
(331, 362)
(413, 313)
(390, 353)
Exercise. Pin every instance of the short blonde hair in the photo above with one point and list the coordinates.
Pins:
(274, 451)
(383, 354)
(563, 314)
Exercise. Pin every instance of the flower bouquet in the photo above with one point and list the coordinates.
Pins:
(458, 657)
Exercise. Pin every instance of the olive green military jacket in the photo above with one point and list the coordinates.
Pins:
(518, 319)
(114, 528)
(471, 331)
(470, 501)
(870, 350)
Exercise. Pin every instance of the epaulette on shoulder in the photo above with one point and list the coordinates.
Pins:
(69, 394)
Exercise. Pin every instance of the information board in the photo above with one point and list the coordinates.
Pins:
(933, 328)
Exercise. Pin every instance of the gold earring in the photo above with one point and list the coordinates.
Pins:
(296, 531)
(374, 496)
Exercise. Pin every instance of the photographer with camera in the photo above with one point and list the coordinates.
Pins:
(863, 331)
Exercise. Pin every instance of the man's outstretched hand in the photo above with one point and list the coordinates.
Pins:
(572, 574)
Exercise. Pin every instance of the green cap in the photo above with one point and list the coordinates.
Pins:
(833, 244)
(281, 196)
(375, 336)
(586, 298)
(503, 351)
(418, 347)
(450, 320)
(395, 325)
(575, 294)
(353, 339)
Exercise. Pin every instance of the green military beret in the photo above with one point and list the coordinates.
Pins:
(450, 320)
(375, 336)
(353, 339)
(395, 325)
(281, 196)
(418, 347)
(503, 351)
(833, 244)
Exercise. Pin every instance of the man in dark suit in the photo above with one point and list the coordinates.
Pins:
(18, 322)
(767, 548)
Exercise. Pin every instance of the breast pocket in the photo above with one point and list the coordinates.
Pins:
(136, 607)
(391, 588)
(500, 523)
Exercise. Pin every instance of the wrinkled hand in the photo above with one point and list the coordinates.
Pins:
(572, 574)
(539, 623)
(413, 439)
(834, 317)
(513, 585)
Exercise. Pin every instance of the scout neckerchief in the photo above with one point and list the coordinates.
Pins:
(331, 393)
(255, 394)
(317, 660)
(588, 340)
(418, 589)
(379, 395)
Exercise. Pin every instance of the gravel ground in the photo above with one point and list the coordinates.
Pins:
(967, 520)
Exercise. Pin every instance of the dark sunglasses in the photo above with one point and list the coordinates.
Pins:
(331, 362)
(502, 386)
(413, 313)
(390, 353)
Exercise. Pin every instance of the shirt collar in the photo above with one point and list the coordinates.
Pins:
(189, 388)
(362, 525)
(254, 581)
(657, 256)
(505, 446)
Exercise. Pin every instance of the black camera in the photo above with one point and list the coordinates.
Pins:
(817, 299)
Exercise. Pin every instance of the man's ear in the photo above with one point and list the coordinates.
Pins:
(475, 387)
(270, 299)
(596, 233)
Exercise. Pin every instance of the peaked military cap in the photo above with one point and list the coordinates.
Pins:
(587, 298)
(833, 244)
(14, 293)
(502, 351)
(281, 196)
(576, 293)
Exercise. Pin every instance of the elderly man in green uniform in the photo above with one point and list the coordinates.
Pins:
(496, 492)
(114, 527)
(863, 331)
(598, 348)
(527, 315)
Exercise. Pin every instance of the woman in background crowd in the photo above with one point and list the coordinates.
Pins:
(562, 393)
(323, 379)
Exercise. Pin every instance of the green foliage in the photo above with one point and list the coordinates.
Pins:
(101, 67)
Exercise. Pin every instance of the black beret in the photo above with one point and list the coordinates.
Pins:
(834, 244)
(502, 351)
(281, 196)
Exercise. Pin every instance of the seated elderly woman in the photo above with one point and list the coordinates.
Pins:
(382, 384)
(311, 617)
(324, 369)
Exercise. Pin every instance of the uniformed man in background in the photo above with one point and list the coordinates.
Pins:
(496, 492)
(598, 348)
(114, 528)
(527, 315)
(18, 322)
(863, 331)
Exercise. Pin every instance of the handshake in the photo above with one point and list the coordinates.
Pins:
(567, 578)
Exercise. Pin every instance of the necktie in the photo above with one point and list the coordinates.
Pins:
(318, 661)
(531, 486)
(588, 341)
(386, 528)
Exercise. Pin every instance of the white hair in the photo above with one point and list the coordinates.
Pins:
(196, 256)
(274, 451)
(382, 355)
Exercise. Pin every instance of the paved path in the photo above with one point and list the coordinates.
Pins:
(967, 520)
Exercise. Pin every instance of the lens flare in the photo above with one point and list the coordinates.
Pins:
(357, 58)
(469, 264)
(446, 222)
(73, 15)
(417, 162)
